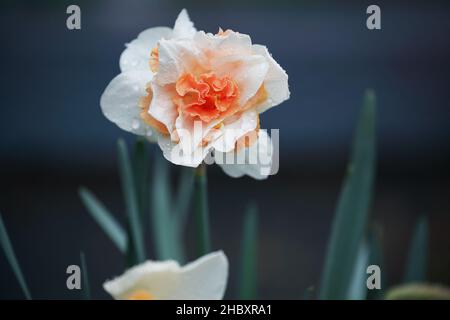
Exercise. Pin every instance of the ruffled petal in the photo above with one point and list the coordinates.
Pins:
(276, 81)
(231, 43)
(176, 153)
(248, 72)
(176, 58)
(254, 161)
(162, 107)
(235, 128)
(184, 27)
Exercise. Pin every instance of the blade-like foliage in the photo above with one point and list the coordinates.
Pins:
(201, 211)
(104, 219)
(86, 289)
(352, 209)
(358, 288)
(376, 258)
(183, 198)
(141, 162)
(162, 222)
(12, 260)
(129, 191)
(416, 264)
(248, 274)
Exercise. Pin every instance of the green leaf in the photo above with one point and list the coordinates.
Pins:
(376, 258)
(184, 197)
(352, 209)
(141, 162)
(201, 213)
(248, 274)
(86, 289)
(416, 265)
(12, 260)
(418, 291)
(130, 254)
(161, 210)
(129, 191)
(358, 287)
(104, 219)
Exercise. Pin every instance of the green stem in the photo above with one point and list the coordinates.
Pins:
(131, 201)
(248, 274)
(5, 243)
(86, 291)
(201, 211)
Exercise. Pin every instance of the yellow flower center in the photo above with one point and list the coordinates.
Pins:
(141, 295)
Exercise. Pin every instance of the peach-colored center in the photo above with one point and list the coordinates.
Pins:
(140, 295)
(206, 97)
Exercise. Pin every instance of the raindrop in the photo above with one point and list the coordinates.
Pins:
(135, 124)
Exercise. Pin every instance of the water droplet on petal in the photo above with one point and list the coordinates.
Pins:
(135, 124)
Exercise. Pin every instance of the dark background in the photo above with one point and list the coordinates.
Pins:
(54, 137)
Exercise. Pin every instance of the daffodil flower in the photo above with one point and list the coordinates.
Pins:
(202, 279)
(196, 93)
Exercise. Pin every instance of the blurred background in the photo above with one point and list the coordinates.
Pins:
(54, 137)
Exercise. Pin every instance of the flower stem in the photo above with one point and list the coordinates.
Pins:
(201, 211)
(136, 243)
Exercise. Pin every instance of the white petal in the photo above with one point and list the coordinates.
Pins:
(233, 43)
(184, 27)
(232, 131)
(162, 107)
(257, 159)
(177, 57)
(174, 153)
(276, 81)
(120, 101)
(205, 278)
(137, 54)
(158, 278)
(248, 72)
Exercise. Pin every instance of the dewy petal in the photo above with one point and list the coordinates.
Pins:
(184, 27)
(204, 279)
(233, 43)
(256, 169)
(137, 54)
(276, 81)
(248, 72)
(175, 153)
(120, 101)
(195, 137)
(162, 107)
(177, 57)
